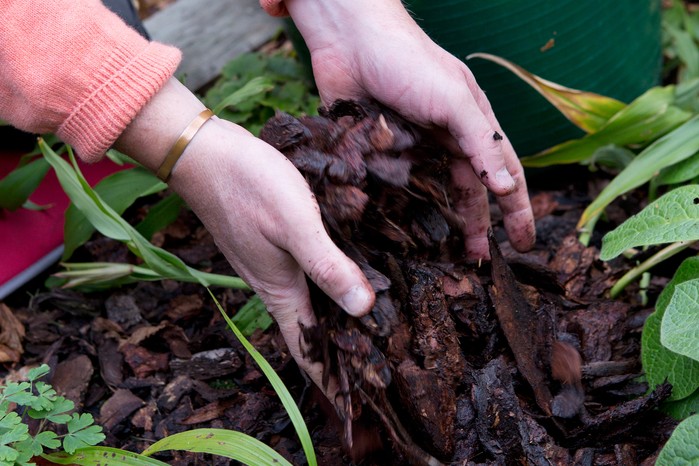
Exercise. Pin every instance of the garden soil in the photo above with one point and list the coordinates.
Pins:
(518, 360)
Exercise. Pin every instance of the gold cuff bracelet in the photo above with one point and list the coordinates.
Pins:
(181, 144)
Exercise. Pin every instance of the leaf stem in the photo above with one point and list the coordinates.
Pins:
(652, 261)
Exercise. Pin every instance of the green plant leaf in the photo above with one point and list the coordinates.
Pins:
(82, 433)
(227, 443)
(8, 454)
(46, 395)
(252, 316)
(118, 190)
(685, 170)
(682, 409)
(9, 421)
(160, 215)
(19, 184)
(18, 393)
(674, 147)
(103, 456)
(34, 446)
(682, 448)
(57, 413)
(679, 330)
(38, 372)
(16, 434)
(645, 119)
(587, 110)
(255, 86)
(671, 218)
(659, 363)
(279, 387)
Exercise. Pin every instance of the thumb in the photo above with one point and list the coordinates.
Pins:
(334, 273)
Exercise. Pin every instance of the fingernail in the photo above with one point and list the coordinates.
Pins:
(504, 178)
(355, 301)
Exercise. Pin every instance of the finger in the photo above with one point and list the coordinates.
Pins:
(334, 273)
(290, 307)
(518, 216)
(469, 122)
(471, 203)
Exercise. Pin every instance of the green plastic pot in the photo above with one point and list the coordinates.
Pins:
(609, 47)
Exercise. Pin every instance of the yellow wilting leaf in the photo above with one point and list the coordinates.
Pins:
(586, 110)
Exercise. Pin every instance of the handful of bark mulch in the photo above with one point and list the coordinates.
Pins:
(458, 363)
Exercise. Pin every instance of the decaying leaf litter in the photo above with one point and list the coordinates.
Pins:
(516, 361)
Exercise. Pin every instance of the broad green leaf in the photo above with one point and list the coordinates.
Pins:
(252, 316)
(103, 456)
(586, 110)
(118, 190)
(255, 86)
(682, 448)
(685, 170)
(8, 454)
(17, 434)
(227, 443)
(160, 215)
(682, 409)
(671, 218)
(19, 184)
(674, 147)
(82, 433)
(279, 388)
(645, 119)
(679, 330)
(659, 363)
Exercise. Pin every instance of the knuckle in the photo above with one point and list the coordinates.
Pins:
(324, 272)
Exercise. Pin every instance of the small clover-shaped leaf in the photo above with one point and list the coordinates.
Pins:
(8, 455)
(9, 421)
(19, 433)
(82, 433)
(46, 395)
(34, 446)
(38, 372)
(57, 412)
(18, 393)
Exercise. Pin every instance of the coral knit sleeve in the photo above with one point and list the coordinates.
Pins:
(75, 69)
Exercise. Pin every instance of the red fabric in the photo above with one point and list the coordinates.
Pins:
(25, 235)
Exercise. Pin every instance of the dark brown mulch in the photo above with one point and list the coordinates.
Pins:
(548, 368)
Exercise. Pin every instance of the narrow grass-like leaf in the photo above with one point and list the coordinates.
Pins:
(671, 218)
(672, 148)
(682, 448)
(659, 362)
(103, 456)
(160, 215)
(586, 110)
(227, 443)
(253, 87)
(647, 118)
(119, 190)
(279, 387)
(20, 183)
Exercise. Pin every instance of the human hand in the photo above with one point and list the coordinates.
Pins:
(374, 49)
(259, 210)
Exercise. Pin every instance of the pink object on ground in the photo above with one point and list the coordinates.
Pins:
(274, 7)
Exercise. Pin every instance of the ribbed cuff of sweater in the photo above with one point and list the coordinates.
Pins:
(274, 7)
(128, 82)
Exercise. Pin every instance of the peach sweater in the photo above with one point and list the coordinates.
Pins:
(73, 68)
